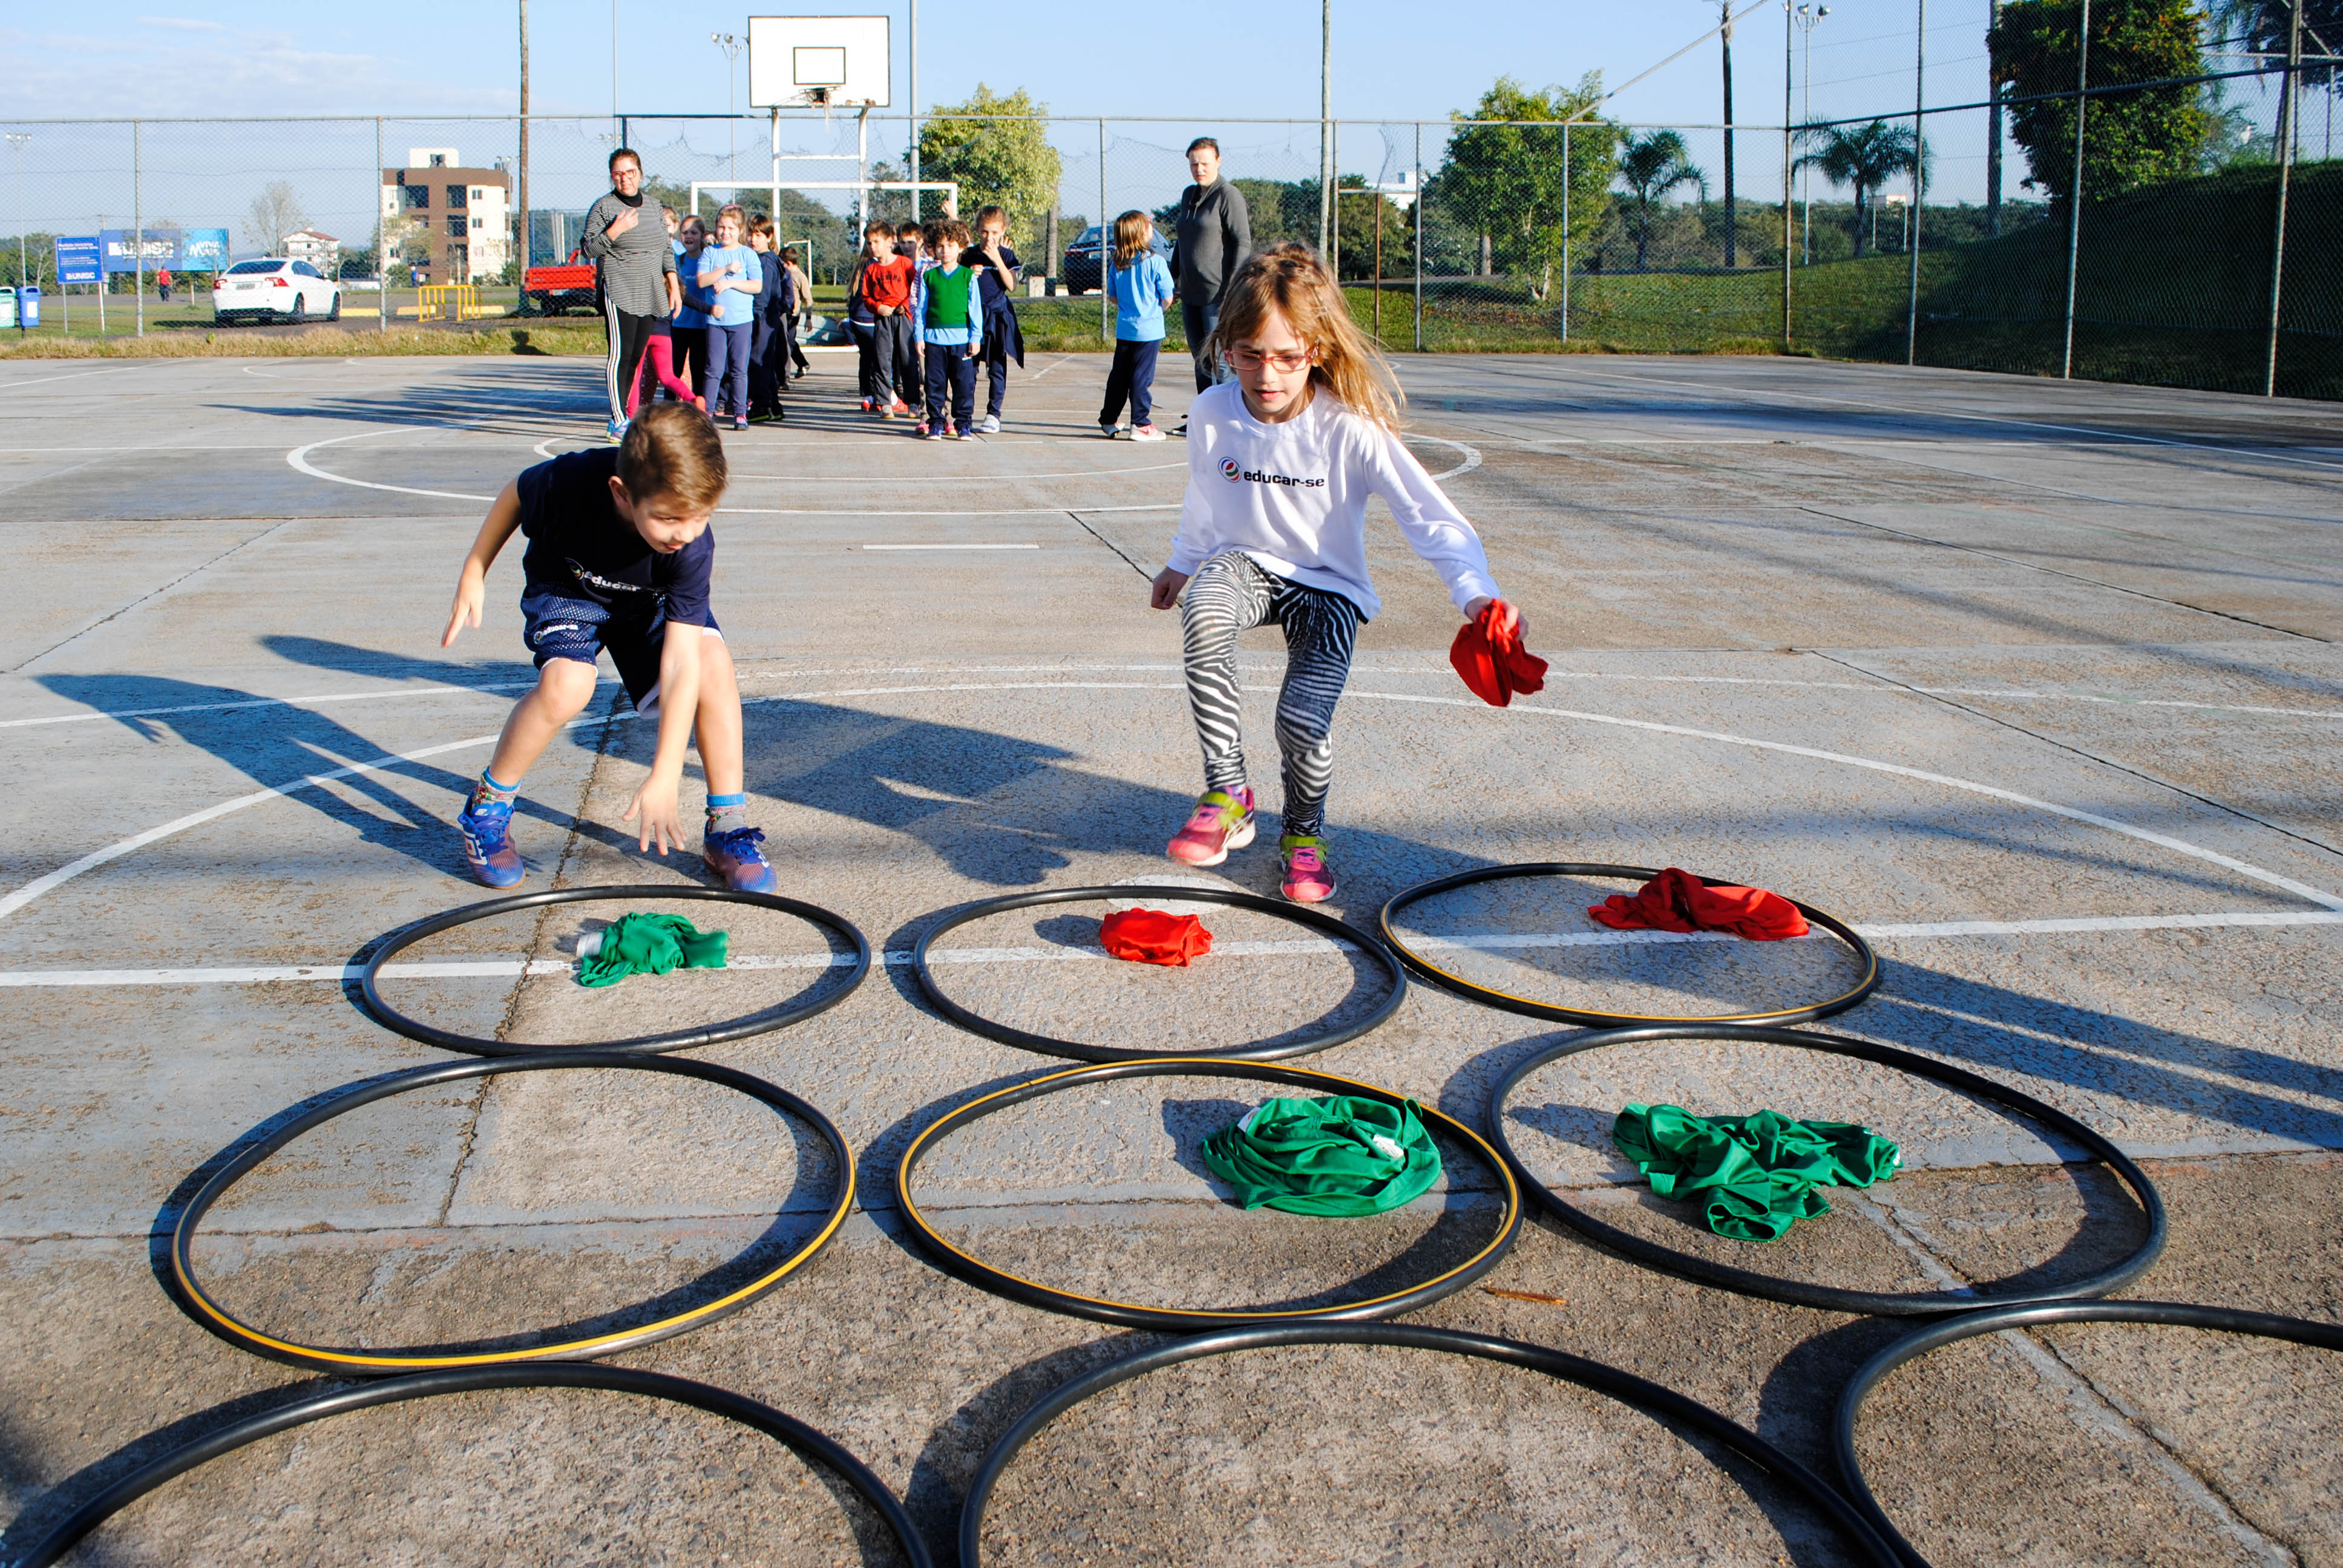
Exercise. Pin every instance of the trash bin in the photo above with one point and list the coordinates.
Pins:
(28, 306)
(7, 308)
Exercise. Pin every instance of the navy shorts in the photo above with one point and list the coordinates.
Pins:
(556, 626)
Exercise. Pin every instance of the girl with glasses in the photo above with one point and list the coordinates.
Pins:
(1281, 462)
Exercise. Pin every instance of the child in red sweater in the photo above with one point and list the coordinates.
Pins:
(886, 287)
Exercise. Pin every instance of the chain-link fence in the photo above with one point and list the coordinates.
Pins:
(2202, 250)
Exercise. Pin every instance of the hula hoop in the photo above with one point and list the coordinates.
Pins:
(1489, 996)
(771, 1018)
(1176, 1320)
(1629, 1390)
(808, 1442)
(1318, 921)
(2182, 1315)
(1831, 1298)
(199, 1304)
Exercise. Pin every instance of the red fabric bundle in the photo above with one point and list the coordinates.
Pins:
(1674, 901)
(1153, 937)
(1489, 655)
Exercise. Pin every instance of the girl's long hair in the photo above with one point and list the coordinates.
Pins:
(1290, 280)
(1130, 232)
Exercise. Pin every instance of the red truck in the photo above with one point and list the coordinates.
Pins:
(550, 290)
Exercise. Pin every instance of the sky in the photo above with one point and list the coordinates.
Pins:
(1214, 61)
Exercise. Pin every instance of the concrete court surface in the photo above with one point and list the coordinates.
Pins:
(2036, 683)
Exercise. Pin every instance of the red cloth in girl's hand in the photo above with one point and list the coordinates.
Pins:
(1489, 655)
(1674, 901)
(1153, 937)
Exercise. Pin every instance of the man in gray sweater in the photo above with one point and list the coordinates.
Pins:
(1212, 237)
(626, 237)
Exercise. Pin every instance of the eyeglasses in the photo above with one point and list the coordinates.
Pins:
(1247, 359)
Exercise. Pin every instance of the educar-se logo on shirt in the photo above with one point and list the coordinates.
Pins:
(1235, 474)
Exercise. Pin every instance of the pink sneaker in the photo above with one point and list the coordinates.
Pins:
(1309, 880)
(1222, 822)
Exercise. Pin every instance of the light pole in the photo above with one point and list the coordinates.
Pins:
(1809, 18)
(731, 47)
(1326, 123)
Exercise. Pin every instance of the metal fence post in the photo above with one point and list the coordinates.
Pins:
(2075, 197)
(1789, 59)
(1919, 178)
(1106, 296)
(1419, 238)
(1565, 231)
(137, 232)
(2289, 132)
(381, 240)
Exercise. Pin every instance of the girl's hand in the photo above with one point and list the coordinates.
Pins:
(1162, 594)
(1473, 612)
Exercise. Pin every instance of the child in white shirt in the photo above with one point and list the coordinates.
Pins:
(1281, 462)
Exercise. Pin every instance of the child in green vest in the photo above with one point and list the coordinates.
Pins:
(950, 316)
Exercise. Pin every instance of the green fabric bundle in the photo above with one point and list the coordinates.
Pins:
(1758, 1174)
(1341, 1156)
(649, 945)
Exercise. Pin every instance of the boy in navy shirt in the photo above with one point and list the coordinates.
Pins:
(618, 559)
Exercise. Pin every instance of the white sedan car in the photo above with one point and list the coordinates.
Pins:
(271, 289)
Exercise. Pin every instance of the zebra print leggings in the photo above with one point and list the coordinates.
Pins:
(1230, 595)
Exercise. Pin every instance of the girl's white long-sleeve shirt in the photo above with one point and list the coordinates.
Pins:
(1294, 497)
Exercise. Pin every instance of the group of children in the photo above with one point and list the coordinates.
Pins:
(732, 320)
(1282, 459)
(928, 304)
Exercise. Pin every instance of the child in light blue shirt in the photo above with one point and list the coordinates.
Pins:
(1142, 287)
(730, 274)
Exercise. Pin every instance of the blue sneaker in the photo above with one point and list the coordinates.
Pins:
(486, 828)
(616, 430)
(734, 856)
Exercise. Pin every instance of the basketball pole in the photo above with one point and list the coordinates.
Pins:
(915, 111)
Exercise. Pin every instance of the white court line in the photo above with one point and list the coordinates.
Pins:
(951, 546)
(1052, 365)
(40, 885)
(275, 702)
(513, 969)
(74, 375)
(954, 478)
(842, 511)
(299, 458)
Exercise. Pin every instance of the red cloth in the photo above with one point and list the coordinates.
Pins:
(1674, 901)
(1489, 655)
(1153, 937)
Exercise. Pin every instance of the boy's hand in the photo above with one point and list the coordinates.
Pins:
(654, 802)
(471, 588)
(1165, 591)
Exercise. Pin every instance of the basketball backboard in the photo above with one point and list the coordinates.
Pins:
(818, 62)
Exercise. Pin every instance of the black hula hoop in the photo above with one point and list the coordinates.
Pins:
(1629, 1390)
(199, 1304)
(808, 1442)
(1318, 921)
(771, 1018)
(1830, 1298)
(1183, 1321)
(2182, 1315)
(1425, 969)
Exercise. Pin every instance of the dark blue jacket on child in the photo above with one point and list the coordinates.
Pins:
(1000, 325)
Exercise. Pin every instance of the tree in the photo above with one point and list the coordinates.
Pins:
(1004, 163)
(1654, 165)
(2129, 139)
(1506, 182)
(1864, 156)
(276, 213)
(2264, 27)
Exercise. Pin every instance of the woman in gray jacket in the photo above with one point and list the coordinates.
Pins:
(635, 261)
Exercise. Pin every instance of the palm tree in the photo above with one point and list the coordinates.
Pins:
(1864, 156)
(1651, 166)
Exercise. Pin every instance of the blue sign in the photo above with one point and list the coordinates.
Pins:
(121, 248)
(77, 258)
(202, 251)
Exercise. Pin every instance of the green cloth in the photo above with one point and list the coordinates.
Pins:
(1758, 1174)
(651, 945)
(1340, 1156)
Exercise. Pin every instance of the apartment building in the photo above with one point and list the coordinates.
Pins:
(463, 215)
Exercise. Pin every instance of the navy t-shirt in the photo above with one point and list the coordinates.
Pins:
(996, 298)
(580, 545)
